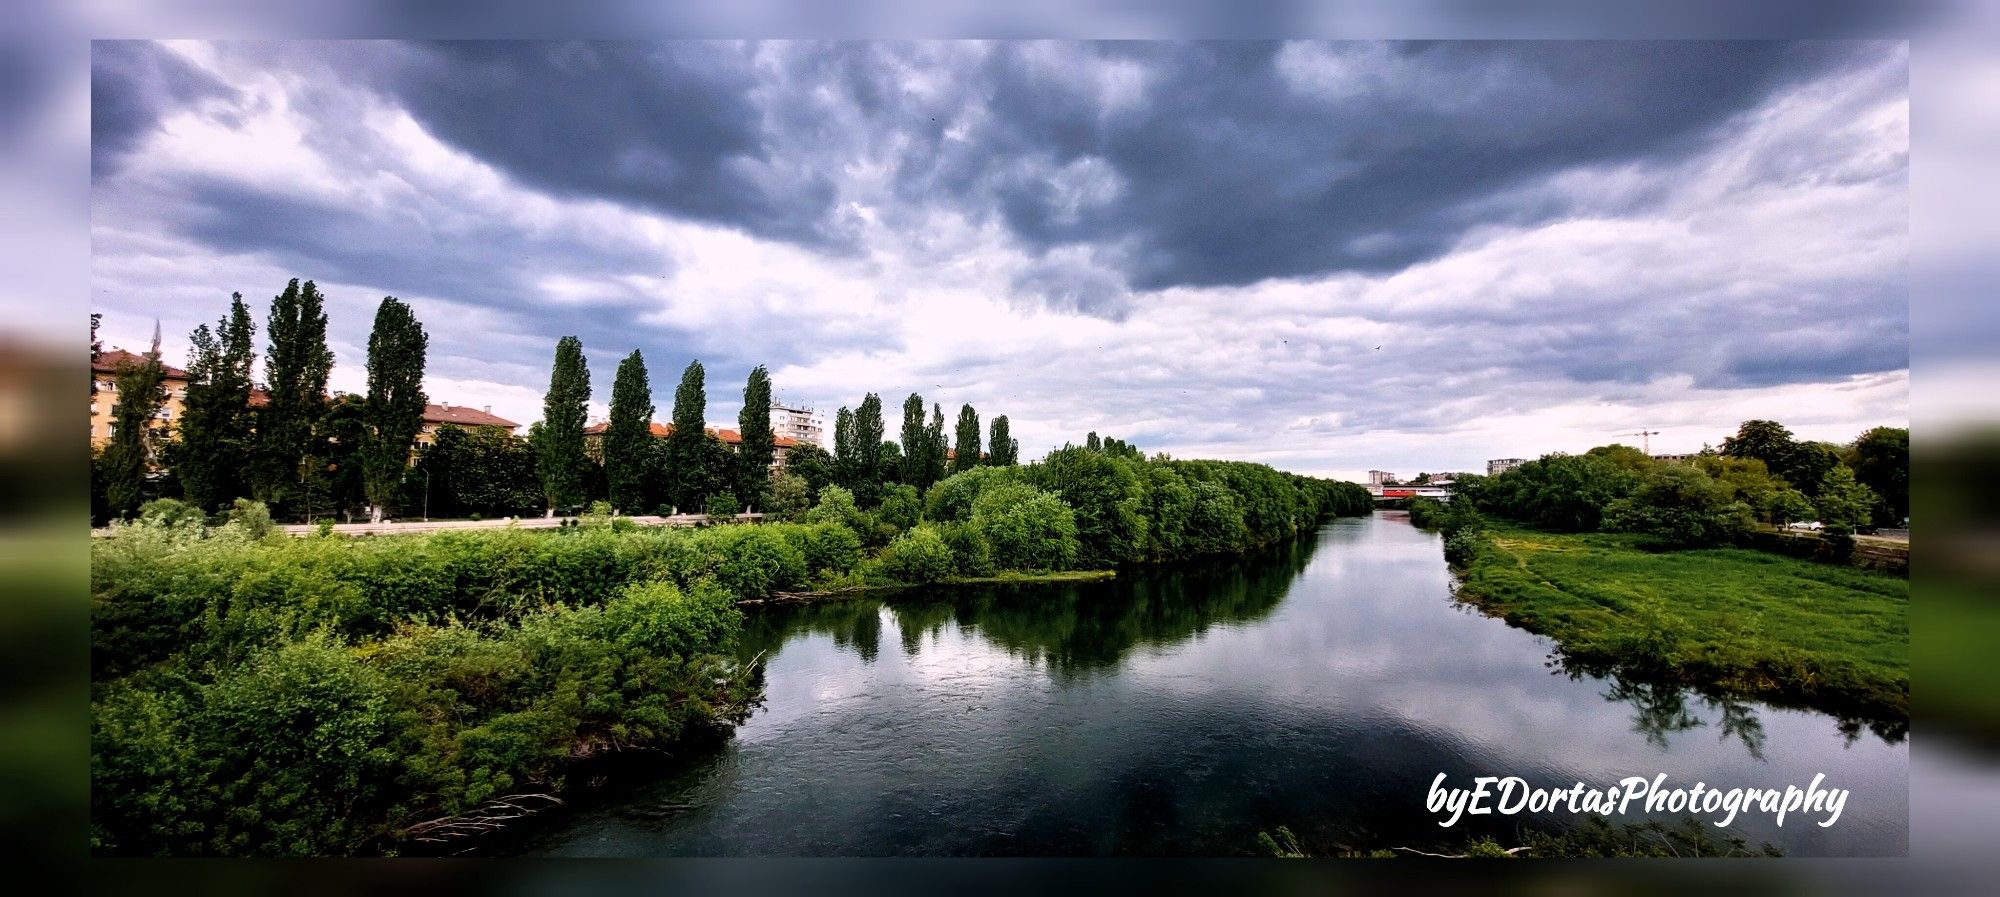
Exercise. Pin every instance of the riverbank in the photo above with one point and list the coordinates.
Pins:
(1736, 621)
(1009, 577)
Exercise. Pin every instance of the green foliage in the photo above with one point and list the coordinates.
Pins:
(628, 435)
(1026, 528)
(1844, 504)
(141, 388)
(689, 461)
(970, 555)
(754, 455)
(723, 506)
(251, 520)
(790, 497)
(296, 366)
(918, 557)
(828, 548)
(813, 465)
(215, 429)
(395, 409)
(864, 475)
(171, 513)
(837, 505)
(1881, 462)
(1788, 505)
(952, 497)
(1106, 495)
(1683, 507)
(1284, 846)
(1003, 450)
(965, 444)
(901, 507)
(1567, 493)
(484, 472)
(558, 437)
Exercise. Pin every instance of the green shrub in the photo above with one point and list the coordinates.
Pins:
(970, 555)
(828, 548)
(918, 556)
(754, 561)
(1025, 528)
(723, 506)
(901, 507)
(790, 497)
(251, 519)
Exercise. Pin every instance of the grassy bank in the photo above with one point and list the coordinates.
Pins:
(1739, 621)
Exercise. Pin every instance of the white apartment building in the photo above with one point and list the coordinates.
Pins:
(797, 422)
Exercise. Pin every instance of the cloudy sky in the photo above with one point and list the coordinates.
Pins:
(1328, 257)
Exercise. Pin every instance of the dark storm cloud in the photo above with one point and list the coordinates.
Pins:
(133, 84)
(670, 127)
(1231, 174)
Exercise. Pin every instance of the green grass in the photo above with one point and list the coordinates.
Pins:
(1744, 622)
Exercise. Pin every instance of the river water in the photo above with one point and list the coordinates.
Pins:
(1319, 686)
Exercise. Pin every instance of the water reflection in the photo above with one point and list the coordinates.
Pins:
(1072, 629)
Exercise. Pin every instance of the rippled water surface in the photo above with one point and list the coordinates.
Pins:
(1321, 686)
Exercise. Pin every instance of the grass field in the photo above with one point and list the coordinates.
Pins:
(1745, 622)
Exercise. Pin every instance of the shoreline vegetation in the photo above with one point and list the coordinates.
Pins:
(1730, 621)
(256, 693)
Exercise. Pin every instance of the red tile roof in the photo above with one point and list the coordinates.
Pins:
(110, 360)
(459, 415)
(662, 431)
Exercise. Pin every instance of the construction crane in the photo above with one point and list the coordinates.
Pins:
(1646, 436)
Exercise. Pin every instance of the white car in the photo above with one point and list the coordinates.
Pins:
(1811, 526)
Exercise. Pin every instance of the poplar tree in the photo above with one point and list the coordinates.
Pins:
(397, 347)
(628, 437)
(558, 437)
(916, 448)
(215, 426)
(868, 451)
(966, 446)
(934, 449)
(141, 388)
(687, 457)
(1001, 448)
(846, 459)
(753, 456)
(296, 366)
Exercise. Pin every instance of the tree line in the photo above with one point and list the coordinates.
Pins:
(1762, 474)
(293, 448)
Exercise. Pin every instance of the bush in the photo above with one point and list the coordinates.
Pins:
(1681, 505)
(754, 561)
(789, 497)
(919, 556)
(250, 519)
(723, 506)
(970, 555)
(1026, 528)
(171, 513)
(950, 499)
(901, 507)
(828, 548)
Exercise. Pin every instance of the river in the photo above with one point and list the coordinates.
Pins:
(1319, 686)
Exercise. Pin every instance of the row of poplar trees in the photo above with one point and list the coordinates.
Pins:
(276, 452)
(685, 470)
(863, 462)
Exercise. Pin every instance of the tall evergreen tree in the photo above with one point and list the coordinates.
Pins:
(397, 347)
(687, 452)
(868, 451)
(754, 455)
(916, 447)
(628, 437)
(965, 448)
(296, 366)
(141, 388)
(934, 449)
(558, 437)
(846, 454)
(1002, 450)
(215, 417)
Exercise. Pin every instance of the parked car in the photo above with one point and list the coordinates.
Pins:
(1810, 526)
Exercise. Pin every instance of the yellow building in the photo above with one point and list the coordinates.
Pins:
(104, 371)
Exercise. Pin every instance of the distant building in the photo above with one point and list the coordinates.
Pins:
(796, 423)
(593, 440)
(105, 372)
(1499, 466)
(1680, 458)
(449, 415)
(1378, 477)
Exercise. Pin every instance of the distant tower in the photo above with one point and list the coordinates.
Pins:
(1379, 477)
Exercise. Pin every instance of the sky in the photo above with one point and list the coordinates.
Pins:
(1328, 257)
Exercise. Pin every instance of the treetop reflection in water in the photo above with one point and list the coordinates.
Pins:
(1071, 627)
(1179, 712)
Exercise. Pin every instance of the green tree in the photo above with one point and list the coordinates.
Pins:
(1003, 450)
(1107, 498)
(759, 445)
(846, 452)
(813, 465)
(1881, 461)
(868, 452)
(1788, 505)
(1843, 503)
(915, 441)
(558, 436)
(1808, 464)
(628, 436)
(296, 365)
(334, 469)
(215, 426)
(790, 496)
(1025, 528)
(934, 450)
(965, 448)
(1765, 440)
(141, 388)
(687, 451)
(395, 411)
(1682, 506)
